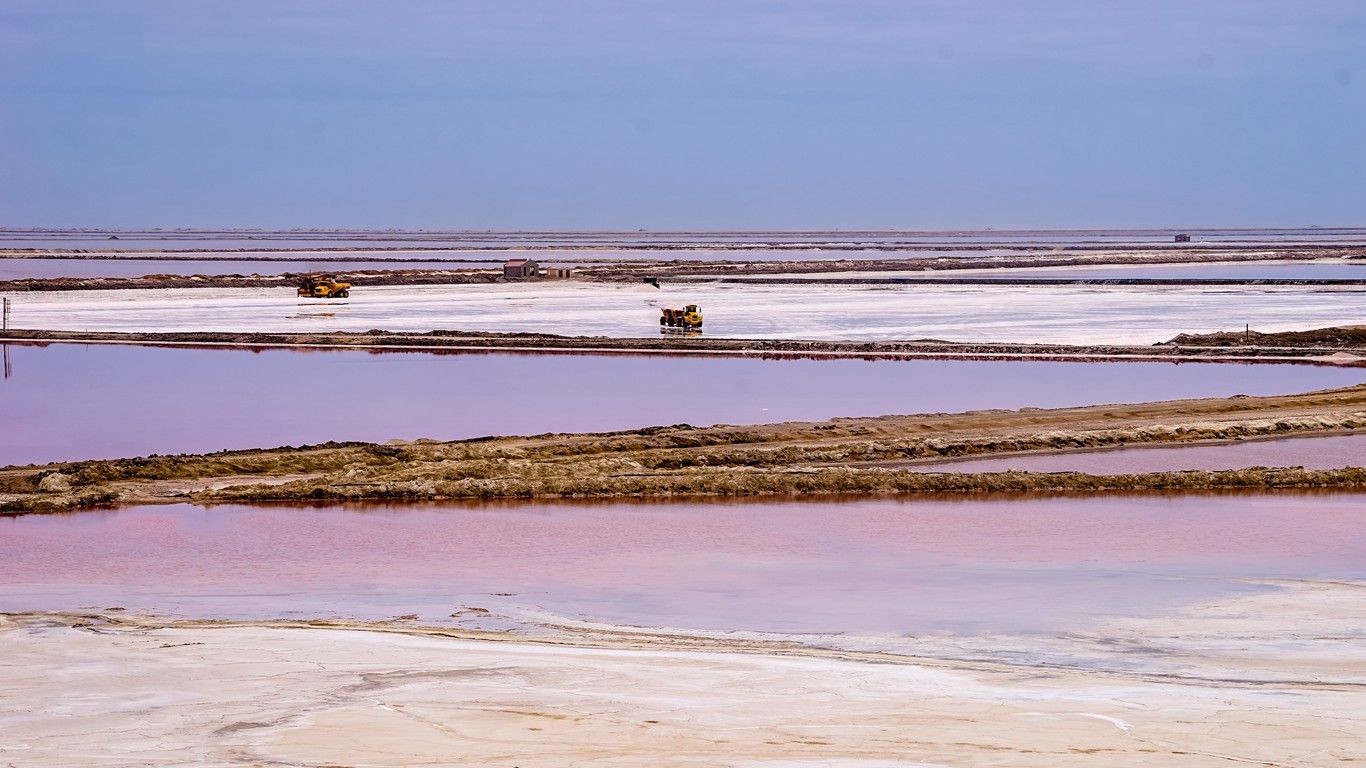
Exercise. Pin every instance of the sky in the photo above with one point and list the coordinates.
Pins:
(692, 114)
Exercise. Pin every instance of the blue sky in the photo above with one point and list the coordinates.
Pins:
(687, 114)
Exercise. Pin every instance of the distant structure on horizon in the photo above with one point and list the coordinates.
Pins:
(1183, 238)
(518, 269)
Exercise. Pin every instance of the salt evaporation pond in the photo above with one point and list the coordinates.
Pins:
(1325, 269)
(69, 401)
(22, 269)
(960, 566)
(1322, 269)
(1325, 452)
(229, 239)
(131, 265)
(1064, 314)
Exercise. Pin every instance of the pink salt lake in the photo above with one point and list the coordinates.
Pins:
(69, 402)
(959, 565)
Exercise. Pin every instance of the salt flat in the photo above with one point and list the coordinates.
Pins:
(1023, 314)
(241, 694)
(688, 635)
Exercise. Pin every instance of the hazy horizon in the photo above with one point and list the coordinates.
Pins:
(705, 116)
(1191, 229)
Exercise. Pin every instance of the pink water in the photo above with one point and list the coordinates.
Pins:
(131, 266)
(1332, 452)
(22, 269)
(76, 402)
(866, 566)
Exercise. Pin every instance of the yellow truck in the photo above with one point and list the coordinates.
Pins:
(323, 287)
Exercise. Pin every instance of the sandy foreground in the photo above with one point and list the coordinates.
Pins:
(1272, 678)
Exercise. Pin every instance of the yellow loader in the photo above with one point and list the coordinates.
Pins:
(687, 317)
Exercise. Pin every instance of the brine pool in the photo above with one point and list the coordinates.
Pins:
(135, 265)
(1319, 452)
(74, 401)
(966, 566)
